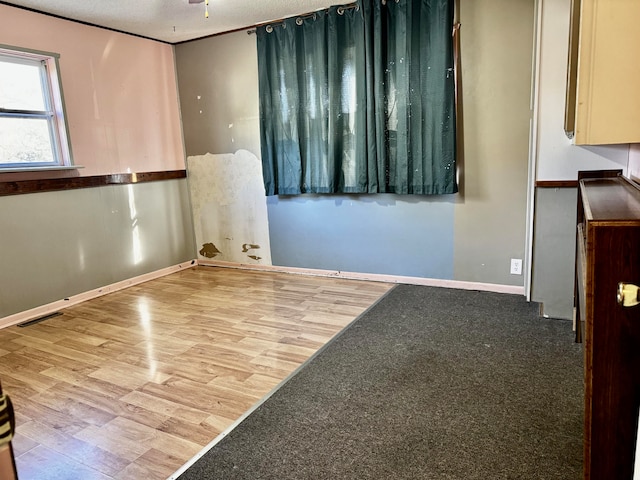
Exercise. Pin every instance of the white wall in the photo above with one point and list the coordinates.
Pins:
(557, 158)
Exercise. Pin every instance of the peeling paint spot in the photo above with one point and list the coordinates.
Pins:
(249, 246)
(209, 250)
(255, 257)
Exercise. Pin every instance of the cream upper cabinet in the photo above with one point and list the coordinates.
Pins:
(603, 88)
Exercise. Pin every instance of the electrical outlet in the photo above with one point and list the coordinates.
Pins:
(516, 266)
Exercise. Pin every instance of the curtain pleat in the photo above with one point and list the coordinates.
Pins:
(359, 101)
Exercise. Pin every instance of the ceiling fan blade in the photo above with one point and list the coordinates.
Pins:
(196, 1)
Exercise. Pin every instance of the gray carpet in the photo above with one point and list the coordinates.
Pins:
(429, 383)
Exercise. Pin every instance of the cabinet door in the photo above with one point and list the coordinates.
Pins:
(572, 70)
(612, 356)
(607, 93)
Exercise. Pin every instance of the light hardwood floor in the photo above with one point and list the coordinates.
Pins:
(131, 385)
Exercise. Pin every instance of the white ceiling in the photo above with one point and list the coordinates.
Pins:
(174, 20)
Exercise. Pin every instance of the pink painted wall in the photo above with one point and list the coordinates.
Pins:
(120, 94)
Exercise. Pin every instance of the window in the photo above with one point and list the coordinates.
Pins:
(33, 132)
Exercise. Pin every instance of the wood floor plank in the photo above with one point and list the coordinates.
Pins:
(67, 446)
(113, 441)
(61, 351)
(219, 422)
(53, 418)
(128, 376)
(134, 383)
(109, 404)
(46, 464)
(72, 412)
(22, 444)
(55, 360)
(152, 464)
(200, 433)
(34, 380)
(165, 407)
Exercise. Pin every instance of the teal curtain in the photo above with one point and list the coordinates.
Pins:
(359, 100)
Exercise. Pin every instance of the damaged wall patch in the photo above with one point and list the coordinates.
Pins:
(209, 250)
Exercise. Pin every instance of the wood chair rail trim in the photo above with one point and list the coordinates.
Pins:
(19, 187)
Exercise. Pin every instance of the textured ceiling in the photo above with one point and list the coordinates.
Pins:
(173, 20)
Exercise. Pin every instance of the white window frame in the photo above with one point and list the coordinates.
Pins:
(54, 109)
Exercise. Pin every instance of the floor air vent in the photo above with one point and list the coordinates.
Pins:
(39, 319)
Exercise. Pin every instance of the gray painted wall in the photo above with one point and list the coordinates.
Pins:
(58, 244)
(490, 219)
(385, 234)
(554, 250)
(470, 236)
(218, 88)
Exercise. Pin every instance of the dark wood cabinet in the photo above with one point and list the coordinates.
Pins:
(607, 254)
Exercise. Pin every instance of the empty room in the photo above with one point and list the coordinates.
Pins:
(385, 239)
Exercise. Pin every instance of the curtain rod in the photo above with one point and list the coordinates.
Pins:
(301, 16)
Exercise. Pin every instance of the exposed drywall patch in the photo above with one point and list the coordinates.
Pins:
(209, 250)
(249, 246)
(229, 206)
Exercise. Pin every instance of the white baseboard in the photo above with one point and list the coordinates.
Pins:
(374, 277)
(98, 292)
